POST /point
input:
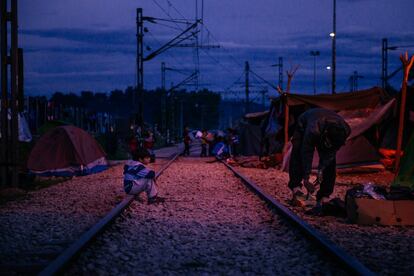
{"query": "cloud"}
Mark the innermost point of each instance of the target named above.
(68, 59)
(90, 36)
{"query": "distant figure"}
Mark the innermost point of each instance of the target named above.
(149, 142)
(232, 141)
(137, 178)
(211, 139)
(204, 142)
(326, 131)
(138, 136)
(132, 144)
(187, 142)
(221, 149)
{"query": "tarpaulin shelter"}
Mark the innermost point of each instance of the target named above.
(405, 176)
(250, 133)
(258, 133)
(363, 110)
(66, 151)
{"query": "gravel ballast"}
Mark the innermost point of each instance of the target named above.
(383, 249)
(38, 226)
(210, 223)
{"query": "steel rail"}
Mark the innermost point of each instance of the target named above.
(349, 262)
(75, 248)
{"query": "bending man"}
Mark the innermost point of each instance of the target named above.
(326, 131)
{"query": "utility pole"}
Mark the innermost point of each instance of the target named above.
(353, 81)
(175, 42)
(9, 139)
(20, 97)
(4, 97)
(140, 65)
(264, 92)
(196, 48)
(246, 71)
(197, 35)
(280, 65)
(202, 110)
(163, 75)
(163, 100)
(181, 117)
(384, 69)
(333, 36)
(314, 54)
(172, 106)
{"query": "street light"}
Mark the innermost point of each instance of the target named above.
(314, 54)
(328, 68)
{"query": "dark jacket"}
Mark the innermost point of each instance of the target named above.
(312, 124)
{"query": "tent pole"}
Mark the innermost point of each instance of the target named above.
(407, 64)
(290, 74)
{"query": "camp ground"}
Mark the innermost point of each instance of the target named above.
(192, 137)
(370, 113)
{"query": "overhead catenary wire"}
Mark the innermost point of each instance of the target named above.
(168, 1)
(180, 21)
(204, 50)
(215, 60)
(264, 80)
(168, 26)
(165, 12)
(168, 53)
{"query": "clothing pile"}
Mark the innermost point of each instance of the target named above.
(371, 191)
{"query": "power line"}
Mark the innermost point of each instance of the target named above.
(176, 9)
(264, 80)
(204, 50)
(168, 52)
(235, 82)
(168, 26)
(230, 55)
(166, 13)
(202, 22)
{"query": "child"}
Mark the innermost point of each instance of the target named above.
(187, 142)
(137, 178)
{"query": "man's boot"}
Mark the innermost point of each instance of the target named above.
(298, 198)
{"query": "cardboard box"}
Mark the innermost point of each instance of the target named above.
(381, 212)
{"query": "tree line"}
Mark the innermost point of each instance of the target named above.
(182, 108)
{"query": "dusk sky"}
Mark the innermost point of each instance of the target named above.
(77, 45)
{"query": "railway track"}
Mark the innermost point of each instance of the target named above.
(68, 257)
(199, 261)
(64, 258)
(350, 263)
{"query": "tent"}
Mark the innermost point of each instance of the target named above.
(365, 111)
(257, 133)
(66, 151)
(250, 133)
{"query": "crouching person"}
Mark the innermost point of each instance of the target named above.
(327, 132)
(137, 178)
